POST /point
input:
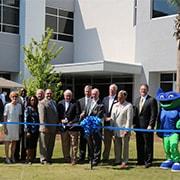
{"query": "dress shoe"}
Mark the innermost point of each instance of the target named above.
(123, 165)
(73, 162)
(44, 162)
(8, 161)
(147, 165)
(94, 163)
(81, 161)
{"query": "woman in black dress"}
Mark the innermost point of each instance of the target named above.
(31, 115)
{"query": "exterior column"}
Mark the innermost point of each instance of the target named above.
(32, 25)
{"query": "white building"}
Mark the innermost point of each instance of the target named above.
(127, 42)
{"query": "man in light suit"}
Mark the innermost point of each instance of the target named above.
(47, 114)
(145, 118)
(82, 103)
(108, 102)
(122, 117)
(68, 115)
(95, 108)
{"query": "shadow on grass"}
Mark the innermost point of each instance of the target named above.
(106, 165)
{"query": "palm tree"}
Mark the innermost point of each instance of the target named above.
(177, 34)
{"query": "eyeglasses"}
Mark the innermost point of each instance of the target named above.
(32, 99)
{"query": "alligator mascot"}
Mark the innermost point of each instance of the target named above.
(169, 119)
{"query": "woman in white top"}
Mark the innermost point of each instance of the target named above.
(122, 117)
(12, 113)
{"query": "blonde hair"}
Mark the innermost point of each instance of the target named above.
(13, 93)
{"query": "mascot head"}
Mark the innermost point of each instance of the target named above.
(168, 100)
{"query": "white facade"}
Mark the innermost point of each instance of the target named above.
(109, 39)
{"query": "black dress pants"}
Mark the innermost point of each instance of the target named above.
(144, 146)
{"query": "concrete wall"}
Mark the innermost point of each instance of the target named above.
(63, 4)
(155, 44)
(9, 52)
(67, 54)
(32, 25)
(104, 30)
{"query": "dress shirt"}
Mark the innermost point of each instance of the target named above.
(87, 99)
(66, 105)
(111, 99)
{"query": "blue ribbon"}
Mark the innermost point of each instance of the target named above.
(99, 127)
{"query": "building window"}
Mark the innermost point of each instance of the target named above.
(9, 16)
(167, 81)
(61, 21)
(162, 8)
(135, 13)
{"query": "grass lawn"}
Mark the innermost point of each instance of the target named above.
(59, 170)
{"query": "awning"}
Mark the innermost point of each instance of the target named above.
(99, 67)
(4, 83)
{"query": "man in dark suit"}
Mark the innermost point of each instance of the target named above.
(68, 115)
(145, 118)
(82, 103)
(95, 108)
(108, 102)
(48, 115)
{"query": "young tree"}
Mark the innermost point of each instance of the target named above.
(38, 58)
(177, 34)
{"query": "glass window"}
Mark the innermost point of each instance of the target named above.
(65, 26)
(11, 2)
(10, 16)
(61, 22)
(65, 13)
(50, 10)
(10, 29)
(51, 21)
(65, 38)
(168, 81)
(166, 77)
(163, 8)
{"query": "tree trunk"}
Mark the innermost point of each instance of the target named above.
(178, 67)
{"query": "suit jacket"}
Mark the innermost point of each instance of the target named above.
(48, 114)
(97, 110)
(107, 113)
(148, 115)
(71, 114)
(81, 104)
(122, 117)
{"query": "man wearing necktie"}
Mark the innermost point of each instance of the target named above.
(145, 117)
(48, 115)
(95, 108)
(82, 103)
